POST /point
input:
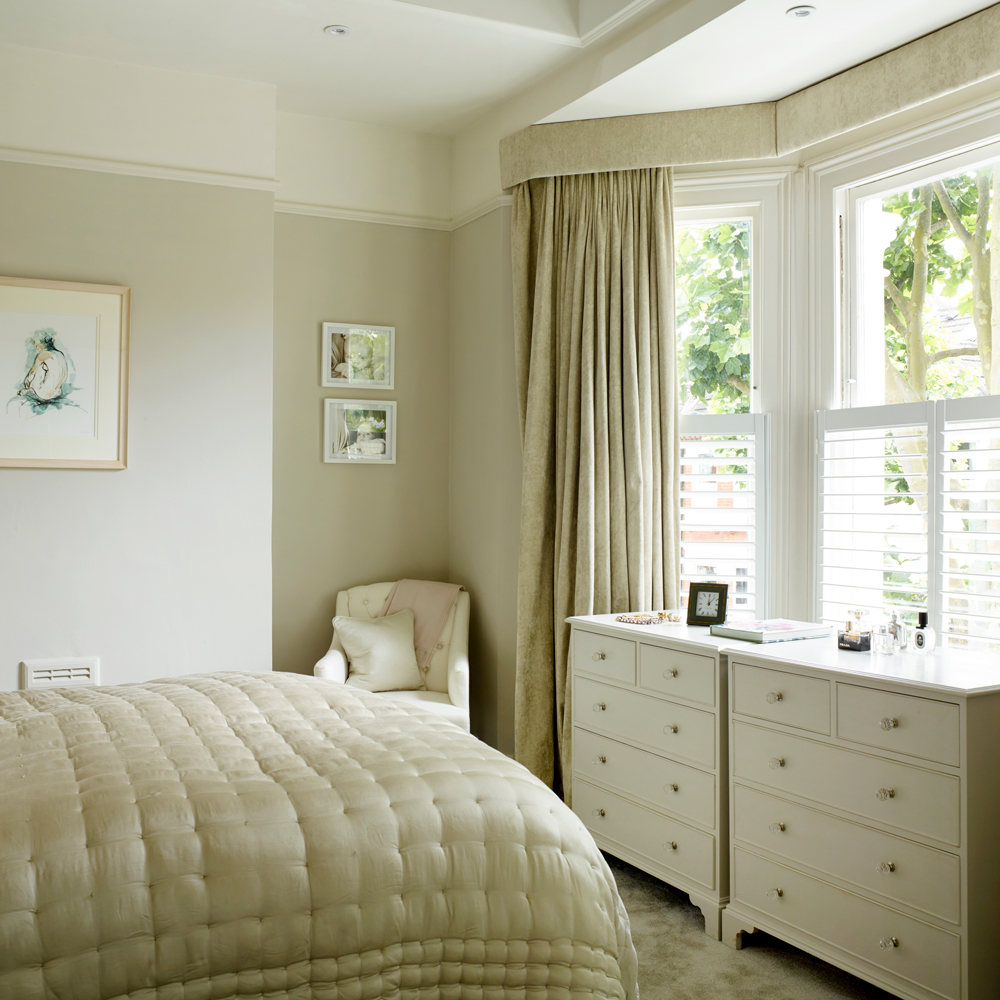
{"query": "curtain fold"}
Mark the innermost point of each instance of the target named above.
(593, 272)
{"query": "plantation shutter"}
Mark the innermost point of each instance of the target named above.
(873, 511)
(723, 482)
(908, 515)
(969, 541)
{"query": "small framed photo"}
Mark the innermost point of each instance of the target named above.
(707, 603)
(359, 430)
(63, 374)
(356, 354)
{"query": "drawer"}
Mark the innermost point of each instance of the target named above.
(923, 802)
(928, 956)
(877, 862)
(605, 655)
(778, 696)
(664, 783)
(640, 718)
(905, 723)
(677, 673)
(668, 843)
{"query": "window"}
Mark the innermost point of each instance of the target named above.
(723, 445)
(713, 314)
(908, 478)
(924, 283)
(909, 515)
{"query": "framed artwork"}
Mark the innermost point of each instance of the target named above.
(359, 430)
(355, 354)
(707, 603)
(63, 374)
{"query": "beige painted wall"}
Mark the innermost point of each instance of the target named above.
(163, 568)
(337, 526)
(486, 465)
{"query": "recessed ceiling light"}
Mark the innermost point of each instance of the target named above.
(800, 11)
(337, 29)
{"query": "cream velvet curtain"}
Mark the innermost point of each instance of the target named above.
(593, 275)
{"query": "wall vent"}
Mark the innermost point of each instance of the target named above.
(75, 671)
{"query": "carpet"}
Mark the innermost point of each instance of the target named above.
(679, 961)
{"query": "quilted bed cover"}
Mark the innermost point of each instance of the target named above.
(273, 835)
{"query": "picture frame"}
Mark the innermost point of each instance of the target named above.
(361, 431)
(64, 353)
(358, 354)
(707, 603)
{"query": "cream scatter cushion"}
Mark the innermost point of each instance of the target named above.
(380, 652)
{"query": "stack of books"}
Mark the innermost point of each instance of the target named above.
(772, 630)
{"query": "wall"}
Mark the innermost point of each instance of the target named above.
(485, 477)
(337, 526)
(163, 568)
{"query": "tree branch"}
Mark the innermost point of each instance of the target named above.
(952, 215)
(893, 318)
(740, 384)
(898, 298)
(953, 352)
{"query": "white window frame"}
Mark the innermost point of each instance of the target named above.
(918, 151)
(766, 198)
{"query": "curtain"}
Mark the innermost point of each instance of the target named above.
(593, 269)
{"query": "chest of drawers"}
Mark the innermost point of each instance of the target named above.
(865, 813)
(650, 752)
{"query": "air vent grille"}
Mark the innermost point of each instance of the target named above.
(79, 671)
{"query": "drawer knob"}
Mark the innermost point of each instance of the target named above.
(600, 759)
(887, 944)
(670, 845)
(599, 706)
(597, 657)
(667, 674)
(777, 828)
(775, 762)
(670, 788)
(885, 793)
(599, 813)
(774, 893)
(884, 868)
(888, 724)
(772, 697)
(670, 729)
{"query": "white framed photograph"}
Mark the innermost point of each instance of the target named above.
(357, 354)
(359, 430)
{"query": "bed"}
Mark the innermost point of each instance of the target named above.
(280, 836)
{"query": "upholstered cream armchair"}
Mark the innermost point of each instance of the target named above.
(447, 677)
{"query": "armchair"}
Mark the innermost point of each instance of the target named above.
(447, 678)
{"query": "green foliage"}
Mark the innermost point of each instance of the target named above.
(713, 315)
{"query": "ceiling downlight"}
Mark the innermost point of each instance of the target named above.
(800, 12)
(337, 30)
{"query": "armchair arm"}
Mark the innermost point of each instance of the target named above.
(333, 666)
(458, 657)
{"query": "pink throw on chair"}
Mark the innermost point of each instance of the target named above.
(430, 603)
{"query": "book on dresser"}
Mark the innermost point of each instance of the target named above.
(772, 630)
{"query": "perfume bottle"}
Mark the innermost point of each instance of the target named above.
(899, 638)
(923, 638)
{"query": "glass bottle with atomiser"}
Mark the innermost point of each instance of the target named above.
(923, 638)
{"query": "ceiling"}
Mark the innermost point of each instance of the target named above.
(753, 52)
(438, 65)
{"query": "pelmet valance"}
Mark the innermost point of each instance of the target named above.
(956, 56)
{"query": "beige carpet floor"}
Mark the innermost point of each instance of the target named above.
(679, 961)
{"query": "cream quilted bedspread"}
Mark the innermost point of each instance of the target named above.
(279, 836)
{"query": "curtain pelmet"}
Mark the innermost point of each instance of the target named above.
(595, 347)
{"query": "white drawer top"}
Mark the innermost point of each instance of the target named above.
(953, 671)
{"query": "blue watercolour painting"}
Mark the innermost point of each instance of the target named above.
(48, 374)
